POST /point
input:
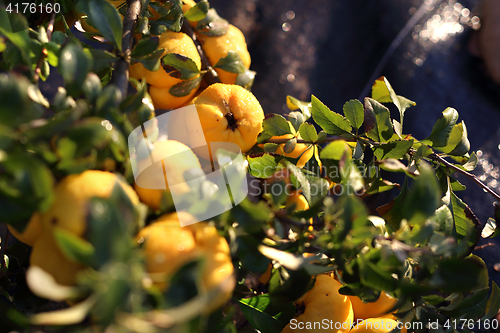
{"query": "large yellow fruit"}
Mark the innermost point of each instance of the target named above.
(376, 325)
(171, 42)
(216, 48)
(227, 113)
(323, 303)
(47, 255)
(301, 149)
(378, 308)
(168, 246)
(176, 158)
(72, 194)
(31, 232)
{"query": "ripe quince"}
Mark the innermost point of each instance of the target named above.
(217, 47)
(168, 246)
(72, 194)
(171, 158)
(324, 302)
(31, 232)
(227, 113)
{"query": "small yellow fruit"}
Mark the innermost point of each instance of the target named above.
(376, 325)
(227, 113)
(47, 255)
(300, 202)
(217, 47)
(168, 246)
(297, 199)
(72, 194)
(323, 302)
(303, 150)
(378, 308)
(176, 158)
(31, 232)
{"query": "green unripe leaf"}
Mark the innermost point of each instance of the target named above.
(179, 66)
(354, 112)
(308, 132)
(331, 122)
(290, 146)
(231, 63)
(197, 12)
(106, 19)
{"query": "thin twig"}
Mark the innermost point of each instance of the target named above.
(211, 76)
(50, 29)
(435, 157)
(121, 73)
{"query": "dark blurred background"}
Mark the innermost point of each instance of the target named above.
(334, 49)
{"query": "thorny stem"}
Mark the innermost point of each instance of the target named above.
(434, 157)
(121, 73)
(211, 76)
(50, 29)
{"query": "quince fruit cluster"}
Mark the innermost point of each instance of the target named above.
(168, 89)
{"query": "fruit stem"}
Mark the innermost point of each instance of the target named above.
(121, 73)
(210, 76)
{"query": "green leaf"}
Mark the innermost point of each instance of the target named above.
(288, 285)
(458, 143)
(296, 118)
(308, 132)
(101, 59)
(471, 163)
(331, 122)
(424, 197)
(262, 165)
(453, 275)
(395, 149)
(74, 248)
(184, 88)
(198, 11)
(354, 112)
(382, 92)
(276, 125)
(180, 66)
(271, 147)
(378, 126)
(466, 223)
(295, 104)
(493, 305)
(442, 128)
(171, 12)
(231, 63)
(74, 64)
(262, 314)
(150, 61)
(374, 277)
(106, 19)
(335, 150)
(52, 53)
(393, 212)
(212, 25)
(296, 172)
(145, 46)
